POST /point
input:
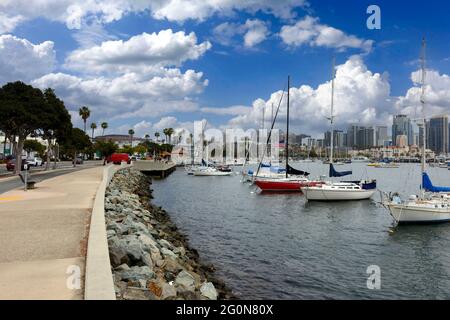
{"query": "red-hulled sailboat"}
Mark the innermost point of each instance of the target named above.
(293, 179)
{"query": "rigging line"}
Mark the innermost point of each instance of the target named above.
(270, 132)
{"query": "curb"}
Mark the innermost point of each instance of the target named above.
(99, 284)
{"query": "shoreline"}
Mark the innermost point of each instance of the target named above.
(151, 259)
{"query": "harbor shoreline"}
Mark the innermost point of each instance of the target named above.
(151, 258)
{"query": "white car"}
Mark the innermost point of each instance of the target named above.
(35, 161)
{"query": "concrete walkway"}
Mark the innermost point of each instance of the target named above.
(43, 237)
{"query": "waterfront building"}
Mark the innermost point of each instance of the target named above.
(402, 126)
(120, 140)
(381, 134)
(437, 139)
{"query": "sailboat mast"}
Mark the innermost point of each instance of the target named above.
(332, 112)
(422, 101)
(287, 127)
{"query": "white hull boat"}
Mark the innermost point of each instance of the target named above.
(426, 211)
(204, 172)
(340, 191)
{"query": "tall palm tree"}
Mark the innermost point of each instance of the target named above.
(147, 136)
(131, 133)
(157, 136)
(104, 126)
(165, 131)
(93, 127)
(170, 132)
(84, 114)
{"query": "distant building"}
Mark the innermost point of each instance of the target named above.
(120, 139)
(381, 135)
(352, 135)
(402, 126)
(438, 134)
(365, 137)
(402, 141)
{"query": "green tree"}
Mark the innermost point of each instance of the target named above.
(106, 148)
(126, 149)
(84, 113)
(131, 133)
(33, 145)
(140, 149)
(76, 142)
(104, 126)
(19, 116)
(93, 127)
(57, 123)
(157, 134)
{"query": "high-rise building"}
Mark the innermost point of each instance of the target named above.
(365, 137)
(352, 135)
(338, 139)
(402, 126)
(381, 135)
(437, 131)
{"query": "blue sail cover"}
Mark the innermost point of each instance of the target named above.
(334, 173)
(264, 165)
(427, 185)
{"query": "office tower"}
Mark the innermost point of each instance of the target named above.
(437, 139)
(402, 126)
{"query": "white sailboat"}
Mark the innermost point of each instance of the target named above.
(433, 203)
(338, 191)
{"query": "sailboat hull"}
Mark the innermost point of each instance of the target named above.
(284, 185)
(320, 194)
(418, 215)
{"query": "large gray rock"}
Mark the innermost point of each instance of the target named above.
(117, 252)
(207, 290)
(132, 293)
(166, 244)
(168, 253)
(168, 291)
(186, 280)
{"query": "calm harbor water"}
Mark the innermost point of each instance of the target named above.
(272, 246)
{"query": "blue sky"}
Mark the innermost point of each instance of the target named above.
(232, 80)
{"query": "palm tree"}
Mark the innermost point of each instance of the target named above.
(170, 131)
(84, 114)
(165, 131)
(157, 136)
(93, 127)
(104, 126)
(147, 136)
(131, 133)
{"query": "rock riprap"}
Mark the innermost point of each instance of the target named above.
(150, 258)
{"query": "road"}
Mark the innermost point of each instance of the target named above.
(10, 183)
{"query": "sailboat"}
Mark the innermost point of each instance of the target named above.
(433, 203)
(288, 179)
(338, 191)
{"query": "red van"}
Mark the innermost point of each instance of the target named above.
(118, 158)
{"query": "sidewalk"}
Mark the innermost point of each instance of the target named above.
(43, 232)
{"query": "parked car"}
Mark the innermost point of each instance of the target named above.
(11, 164)
(36, 161)
(118, 158)
(79, 160)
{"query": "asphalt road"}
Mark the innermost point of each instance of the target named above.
(7, 184)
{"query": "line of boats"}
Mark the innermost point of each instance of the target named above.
(432, 205)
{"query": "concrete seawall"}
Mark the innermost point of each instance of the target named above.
(98, 280)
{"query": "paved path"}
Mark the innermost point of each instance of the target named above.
(43, 234)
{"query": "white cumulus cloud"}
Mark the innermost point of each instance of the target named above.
(75, 13)
(252, 32)
(309, 31)
(22, 60)
(360, 96)
(164, 48)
